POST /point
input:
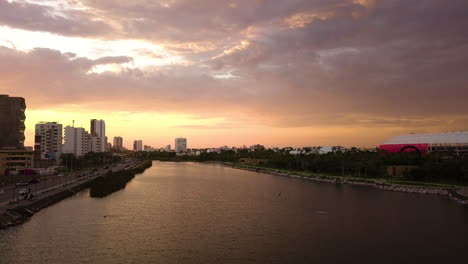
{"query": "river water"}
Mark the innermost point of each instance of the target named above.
(199, 213)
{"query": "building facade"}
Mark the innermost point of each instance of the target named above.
(118, 142)
(76, 141)
(456, 142)
(12, 118)
(95, 143)
(98, 129)
(138, 145)
(180, 145)
(16, 162)
(48, 140)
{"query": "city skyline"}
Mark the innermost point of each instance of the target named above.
(308, 73)
(217, 142)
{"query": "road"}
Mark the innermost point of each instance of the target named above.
(11, 193)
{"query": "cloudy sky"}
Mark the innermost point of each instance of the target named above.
(227, 72)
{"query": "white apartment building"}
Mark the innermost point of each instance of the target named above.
(138, 145)
(180, 145)
(95, 144)
(76, 141)
(98, 129)
(48, 139)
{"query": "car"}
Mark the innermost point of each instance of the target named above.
(36, 180)
(23, 191)
(22, 184)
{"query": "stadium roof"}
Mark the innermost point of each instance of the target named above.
(435, 138)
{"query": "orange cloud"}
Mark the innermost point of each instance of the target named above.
(300, 20)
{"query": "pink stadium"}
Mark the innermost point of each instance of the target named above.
(424, 143)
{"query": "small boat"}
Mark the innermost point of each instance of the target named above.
(321, 212)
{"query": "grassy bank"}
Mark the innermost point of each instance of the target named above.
(388, 181)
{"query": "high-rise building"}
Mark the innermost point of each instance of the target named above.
(48, 140)
(98, 129)
(76, 141)
(180, 145)
(94, 143)
(118, 142)
(12, 118)
(138, 145)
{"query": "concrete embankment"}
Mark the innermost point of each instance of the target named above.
(449, 193)
(22, 212)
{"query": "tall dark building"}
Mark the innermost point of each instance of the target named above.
(12, 118)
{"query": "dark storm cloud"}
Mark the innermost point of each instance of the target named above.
(70, 81)
(296, 63)
(195, 20)
(397, 58)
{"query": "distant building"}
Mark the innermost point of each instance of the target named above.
(16, 162)
(148, 148)
(138, 145)
(118, 142)
(76, 141)
(168, 148)
(399, 171)
(95, 143)
(12, 118)
(48, 140)
(180, 145)
(98, 129)
(456, 142)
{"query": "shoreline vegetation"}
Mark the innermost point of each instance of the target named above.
(445, 190)
(445, 168)
(101, 186)
(442, 172)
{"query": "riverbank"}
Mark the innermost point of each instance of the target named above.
(447, 191)
(22, 211)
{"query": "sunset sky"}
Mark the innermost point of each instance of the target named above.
(273, 72)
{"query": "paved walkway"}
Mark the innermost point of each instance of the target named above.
(5, 205)
(46, 192)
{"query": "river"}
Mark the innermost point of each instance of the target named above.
(205, 213)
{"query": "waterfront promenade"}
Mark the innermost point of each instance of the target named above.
(10, 197)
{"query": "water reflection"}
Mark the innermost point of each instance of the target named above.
(198, 213)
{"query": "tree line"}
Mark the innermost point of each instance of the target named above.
(434, 166)
(89, 160)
